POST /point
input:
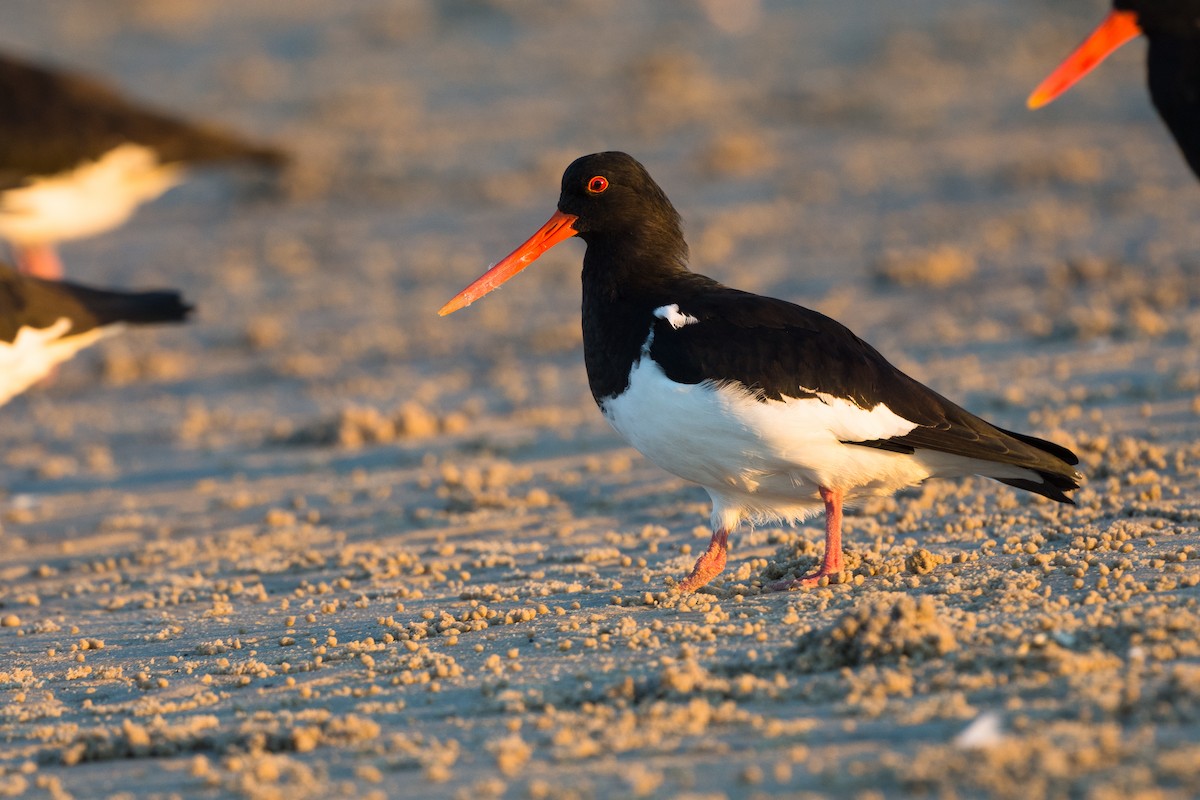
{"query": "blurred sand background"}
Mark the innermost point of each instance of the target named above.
(321, 543)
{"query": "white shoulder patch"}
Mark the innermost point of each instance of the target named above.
(676, 318)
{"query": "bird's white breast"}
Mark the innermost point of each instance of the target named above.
(768, 457)
(36, 351)
(92, 198)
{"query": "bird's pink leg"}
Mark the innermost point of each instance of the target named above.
(39, 260)
(709, 565)
(832, 563)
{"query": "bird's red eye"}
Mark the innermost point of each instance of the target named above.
(598, 184)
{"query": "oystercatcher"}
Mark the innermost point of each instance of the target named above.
(77, 159)
(43, 323)
(1173, 63)
(775, 409)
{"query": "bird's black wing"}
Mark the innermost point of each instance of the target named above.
(53, 120)
(777, 349)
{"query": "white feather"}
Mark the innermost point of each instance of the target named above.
(676, 318)
(766, 459)
(36, 351)
(94, 197)
(986, 730)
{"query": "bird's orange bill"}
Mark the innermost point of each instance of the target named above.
(558, 228)
(1117, 29)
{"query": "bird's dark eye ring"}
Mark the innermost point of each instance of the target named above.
(598, 184)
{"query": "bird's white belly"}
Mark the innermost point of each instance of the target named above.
(36, 351)
(764, 458)
(94, 197)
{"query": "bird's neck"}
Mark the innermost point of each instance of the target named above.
(635, 265)
(624, 279)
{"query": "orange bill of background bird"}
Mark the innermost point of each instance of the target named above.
(1172, 28)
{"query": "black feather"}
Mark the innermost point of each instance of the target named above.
(32, 302)
(52, 120)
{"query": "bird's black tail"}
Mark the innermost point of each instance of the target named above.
(1056, 479)
(139, 308)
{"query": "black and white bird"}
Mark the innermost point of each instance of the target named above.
(43, 323)
(1172, 63)
(77, 158)
(775, 409)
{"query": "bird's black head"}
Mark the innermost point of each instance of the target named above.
(612, 194)
(1180, 18)
(610, 201)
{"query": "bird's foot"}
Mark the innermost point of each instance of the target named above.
(830, 571)
(810, 581)
(708, 566)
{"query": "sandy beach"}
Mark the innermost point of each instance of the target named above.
(322, 543)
